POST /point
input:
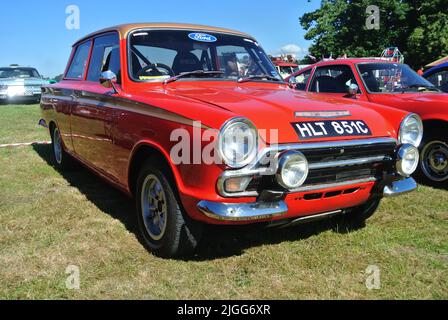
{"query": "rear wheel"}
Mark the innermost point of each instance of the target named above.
(165, 228)
(61, 158)
(355, 218)
(434, 161)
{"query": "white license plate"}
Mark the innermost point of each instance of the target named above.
(331, 128)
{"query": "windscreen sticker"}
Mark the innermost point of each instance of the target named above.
(202, 37)
(152, 77)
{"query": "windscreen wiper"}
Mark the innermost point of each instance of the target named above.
(418, 86)
(192, 73)
(256, 77)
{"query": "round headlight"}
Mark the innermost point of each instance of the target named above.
(407, 160)
(411, 130)
(238, 142)
(293, 170)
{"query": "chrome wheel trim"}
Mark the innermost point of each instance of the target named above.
(154, 207)
(57, 146)
(434, 161)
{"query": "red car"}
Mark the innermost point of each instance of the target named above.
(197, 125)
(394, 85)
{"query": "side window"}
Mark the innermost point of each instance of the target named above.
(333, 79)
(301, 80)
(79, 62)
(439, 79)
(105, 56)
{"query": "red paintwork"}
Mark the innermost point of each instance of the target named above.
(106, 138)
(429, 106)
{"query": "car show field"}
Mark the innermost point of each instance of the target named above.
(51, 220)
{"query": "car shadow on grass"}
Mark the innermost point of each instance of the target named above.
(217, 242)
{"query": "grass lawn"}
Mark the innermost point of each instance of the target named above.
(19, 123)
(49, 220)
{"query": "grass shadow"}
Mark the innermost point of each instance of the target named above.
(218, 241)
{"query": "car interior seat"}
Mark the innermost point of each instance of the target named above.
(185, 62)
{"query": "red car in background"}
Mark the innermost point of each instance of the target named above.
(391, 84)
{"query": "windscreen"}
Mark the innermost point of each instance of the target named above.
(156, 55)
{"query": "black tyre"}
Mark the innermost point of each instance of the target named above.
(165, 228)
(61, 158)
(433, 169)
(355, 218)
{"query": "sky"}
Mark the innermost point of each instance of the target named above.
(34, 33)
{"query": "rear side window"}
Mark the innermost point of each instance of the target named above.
(105, 57)
(333, 79)
(79, 62)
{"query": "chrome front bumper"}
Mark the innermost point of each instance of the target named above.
(266, 210)
(400, 187)
(242, 211)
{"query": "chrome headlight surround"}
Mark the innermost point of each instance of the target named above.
(289, 162)
(238, 137)
(408, 158)
(411, 130)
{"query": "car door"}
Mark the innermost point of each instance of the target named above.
(93, 114)
(334, 80)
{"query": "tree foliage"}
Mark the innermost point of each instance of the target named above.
(419, 28)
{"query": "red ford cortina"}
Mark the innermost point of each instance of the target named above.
(394, 85)
(197, 125)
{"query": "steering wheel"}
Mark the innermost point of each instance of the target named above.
(155, 67)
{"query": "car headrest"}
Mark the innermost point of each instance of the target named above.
(185, 62)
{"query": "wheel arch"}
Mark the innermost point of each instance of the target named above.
(147, 150)
(431, 125)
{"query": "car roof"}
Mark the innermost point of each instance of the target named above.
(343, 61)
(353, 60)
(285, 64)
(436, 68)
(124, 29)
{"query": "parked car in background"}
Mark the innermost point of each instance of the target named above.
(438, 76)
(18, 84)
(285, 68)
(135, 98)
(391, 84)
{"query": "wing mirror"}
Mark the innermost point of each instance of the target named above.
(352, 91)
(108, 79)
(292, 82)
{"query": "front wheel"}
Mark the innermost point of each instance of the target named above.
(166, 229)
(355, 218)
(434, 161)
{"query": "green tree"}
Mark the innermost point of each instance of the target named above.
(419, 28)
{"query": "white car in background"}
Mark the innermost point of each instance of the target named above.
(20, 84)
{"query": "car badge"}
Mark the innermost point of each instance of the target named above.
(322, 114)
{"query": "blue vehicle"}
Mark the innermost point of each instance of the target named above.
(438, 76)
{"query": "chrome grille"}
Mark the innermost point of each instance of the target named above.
(331, 164)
